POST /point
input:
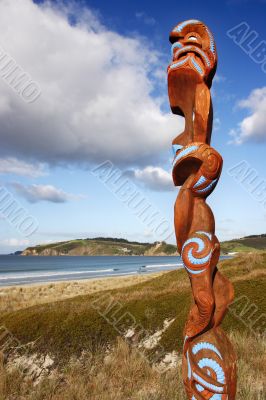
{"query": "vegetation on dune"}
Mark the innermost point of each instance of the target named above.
(17, 297)
(123, 374)
(85, 335)
(69, 326)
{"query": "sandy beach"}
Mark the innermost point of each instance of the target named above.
(18, 297)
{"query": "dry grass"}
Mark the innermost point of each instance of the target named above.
(251, 260)
(251, 352)
(124, 374)
(18, 297)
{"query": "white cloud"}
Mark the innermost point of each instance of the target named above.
(154, 178)
(35, 193)
(219, 78)
(141, 15)
(12, 165)
(13, 242)
(97, 90)
(216, 124)
(252, 128)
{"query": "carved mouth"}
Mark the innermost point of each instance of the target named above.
(193, 55)
(193, 50)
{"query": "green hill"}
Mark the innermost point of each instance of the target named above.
(247, 243)
(101, 247)
(121, 247)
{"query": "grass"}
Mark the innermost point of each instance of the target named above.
(123, 374)
(69, 326)
(72, 328)
(13, 298)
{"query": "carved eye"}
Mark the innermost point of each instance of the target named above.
(192, 38)
(176, 46)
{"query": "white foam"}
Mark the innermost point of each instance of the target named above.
(47, 274)
(163, 265)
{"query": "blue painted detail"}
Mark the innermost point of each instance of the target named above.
(207, 188)
(178, 64)
(180, 27)
(176, 147)
(209, 235)
(192, 48)
(206, 384)
(208, 362)
(194, 260)
(201, 245)
(205, 346)
(212, 44)
(199, 242)
(185, 23)
(200, 181)
(196, 65)
(186, 337)
(199, 387)
(198, 261)
(185, 152)
(194, 272)
(175, 46)
(189, 371)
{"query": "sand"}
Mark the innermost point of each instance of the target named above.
(18, 297)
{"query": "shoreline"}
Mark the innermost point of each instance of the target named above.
(85, 280)
(15, 297)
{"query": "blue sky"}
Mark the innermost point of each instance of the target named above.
(100, 68)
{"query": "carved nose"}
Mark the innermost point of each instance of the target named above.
(193, 40)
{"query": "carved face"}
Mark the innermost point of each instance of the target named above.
(193, 47)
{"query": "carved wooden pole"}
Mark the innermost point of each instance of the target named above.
(209, 361)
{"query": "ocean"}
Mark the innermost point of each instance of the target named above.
(20, 270)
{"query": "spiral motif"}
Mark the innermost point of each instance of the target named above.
(209, 367)
(209, 172)
(212, 162)
(196, 252)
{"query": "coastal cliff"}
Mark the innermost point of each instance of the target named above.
(101, 247)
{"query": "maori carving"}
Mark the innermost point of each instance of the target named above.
(209, 361)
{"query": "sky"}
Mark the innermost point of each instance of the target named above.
(90, 131)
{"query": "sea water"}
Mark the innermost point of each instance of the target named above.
(19, 270)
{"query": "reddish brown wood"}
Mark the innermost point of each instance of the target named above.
(209, 360)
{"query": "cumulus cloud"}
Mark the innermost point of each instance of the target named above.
(97, 97)
(35, 193)
(12, 165)
(252, 127)
(154, 178)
